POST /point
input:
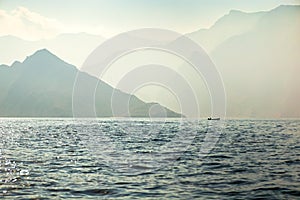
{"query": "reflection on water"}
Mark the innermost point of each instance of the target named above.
(59, 158)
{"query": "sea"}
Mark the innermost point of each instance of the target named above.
(149, 159)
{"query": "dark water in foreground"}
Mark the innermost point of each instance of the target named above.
(53, 159)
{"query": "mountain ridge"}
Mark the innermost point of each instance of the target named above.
(61, 45)
(42, 86)
(259, 66)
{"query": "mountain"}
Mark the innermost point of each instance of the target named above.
(71, 47)
(42, 86)
(257, 55)
(234, 23)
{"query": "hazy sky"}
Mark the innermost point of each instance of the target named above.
(32, 19)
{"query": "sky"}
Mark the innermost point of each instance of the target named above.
(33, 20)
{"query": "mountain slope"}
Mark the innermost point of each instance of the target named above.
(42, 86)
(232, 24)
(257, 55)
(260, 67)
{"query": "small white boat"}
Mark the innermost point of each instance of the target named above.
(218, 118)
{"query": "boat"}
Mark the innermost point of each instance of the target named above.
(217, 118)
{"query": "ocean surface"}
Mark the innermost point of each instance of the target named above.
(149, 159)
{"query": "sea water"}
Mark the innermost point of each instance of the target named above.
(149, 159)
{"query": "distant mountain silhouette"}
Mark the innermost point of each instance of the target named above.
(42, 86)
(234, 23)
(13, 48)
(257, 55)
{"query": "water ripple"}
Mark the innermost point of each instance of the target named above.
(47, 159)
